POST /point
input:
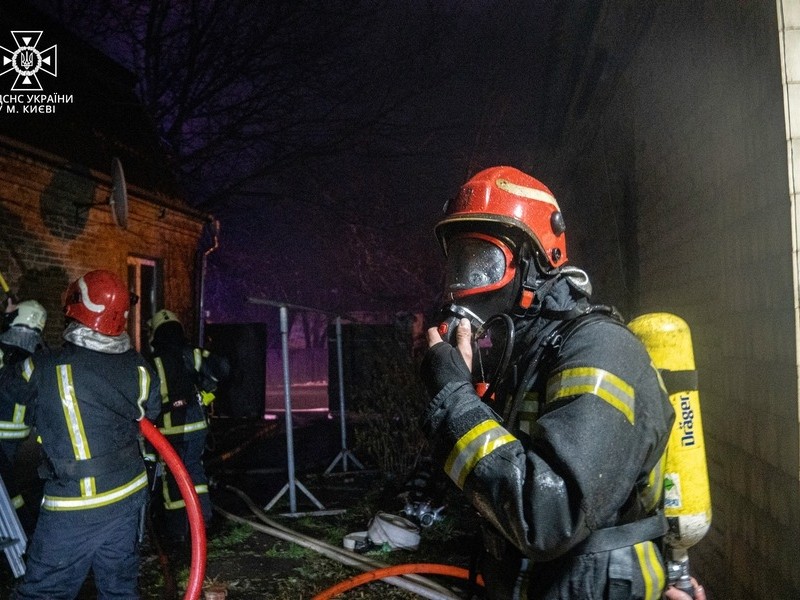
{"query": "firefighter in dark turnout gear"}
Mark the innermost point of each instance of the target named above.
(561, 455)
(189, 378)
(22, 338)
(85, 400)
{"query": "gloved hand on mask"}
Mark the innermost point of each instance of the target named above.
(444, 363)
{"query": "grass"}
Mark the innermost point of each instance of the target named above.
(232, 538)
(257, 566)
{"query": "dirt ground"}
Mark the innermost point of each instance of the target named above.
(247, 463)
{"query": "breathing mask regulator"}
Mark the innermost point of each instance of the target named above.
(449, 317)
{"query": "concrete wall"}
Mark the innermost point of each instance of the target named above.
(46, 241)
(675, 186)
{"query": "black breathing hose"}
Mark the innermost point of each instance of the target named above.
(505, 358)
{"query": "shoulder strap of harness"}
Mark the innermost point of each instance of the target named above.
(547, 344)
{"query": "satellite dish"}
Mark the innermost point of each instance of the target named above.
(119, 195)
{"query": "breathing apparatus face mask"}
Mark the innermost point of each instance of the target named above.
(476, 264)
(478, 283)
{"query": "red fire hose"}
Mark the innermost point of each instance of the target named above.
(392, 571)
(197, 526)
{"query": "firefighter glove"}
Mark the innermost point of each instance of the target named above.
(441, 365)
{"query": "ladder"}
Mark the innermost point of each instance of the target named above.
(13, 540)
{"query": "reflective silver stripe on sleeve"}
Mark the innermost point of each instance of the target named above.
(589, 380)
(477, 443)
(19, 413)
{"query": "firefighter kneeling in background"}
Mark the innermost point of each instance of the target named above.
(189, 377)
(561, 455)
(22, 338)
(85, 400)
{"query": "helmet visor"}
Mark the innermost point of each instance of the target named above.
(476, 264)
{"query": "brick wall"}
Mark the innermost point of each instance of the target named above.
(56, 224)
(679, 202)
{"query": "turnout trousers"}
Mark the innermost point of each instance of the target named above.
(68, 544)
(190, 449)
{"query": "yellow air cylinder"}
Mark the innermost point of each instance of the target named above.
(687, 499)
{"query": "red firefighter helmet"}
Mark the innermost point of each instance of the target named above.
(100, 300)
(506, 202)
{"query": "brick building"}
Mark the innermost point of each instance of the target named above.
(56, 218)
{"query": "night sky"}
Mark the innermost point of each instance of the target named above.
(359, 124)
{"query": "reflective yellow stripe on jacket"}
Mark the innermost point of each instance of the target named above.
(529, 411)
(15, 429)
(163, 378)
(144, 389)
(170, 504)
(652, 492)
(177, 429)
(72, 416)
(166, 416)
(477, 443)
(589, 380)
(27, 369)
(89, 497)
(96, 500)
(199, 355)
(652, 570)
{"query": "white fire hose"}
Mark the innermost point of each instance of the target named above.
(397, 532)
(424, 587)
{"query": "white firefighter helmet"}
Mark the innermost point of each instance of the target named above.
(25, 331)
(30, 314)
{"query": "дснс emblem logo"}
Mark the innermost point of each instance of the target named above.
(27, 61)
